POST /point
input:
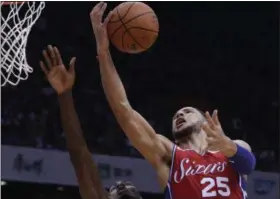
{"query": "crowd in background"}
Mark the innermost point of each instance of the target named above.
(200, 59)
(32, 119)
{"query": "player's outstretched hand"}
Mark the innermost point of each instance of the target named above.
(215, 135)
(99, 27)
(58, 76)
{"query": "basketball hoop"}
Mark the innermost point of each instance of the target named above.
(16, 25)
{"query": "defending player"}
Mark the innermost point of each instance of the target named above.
(90, 184)
(204, 162)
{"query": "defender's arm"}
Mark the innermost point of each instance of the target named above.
(243, 161)
(243, 144)
(136, 128)
(86, 170)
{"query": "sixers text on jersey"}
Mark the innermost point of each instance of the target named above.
(208, 175)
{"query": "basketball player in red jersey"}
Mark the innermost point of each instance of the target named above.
(203, 162)
(62, 81)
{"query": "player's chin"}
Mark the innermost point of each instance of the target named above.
(188, 130)
(182, 132)
(181, 127)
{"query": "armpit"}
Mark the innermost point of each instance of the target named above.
(168, 146)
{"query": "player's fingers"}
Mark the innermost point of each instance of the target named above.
(58, 56)
(47, 59)
(215, 117)
(106, 21)
(72, 65)
(102, 10)
(52, 54)
(96, 8)
(43, 67)
(209, 119)
(97, 11)
(100, 5)
(208, 130)
(95, 14)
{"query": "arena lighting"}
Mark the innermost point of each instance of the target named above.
(60, 188)
(3, 183)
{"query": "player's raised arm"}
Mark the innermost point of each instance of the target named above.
(62, 81)
(136, 128)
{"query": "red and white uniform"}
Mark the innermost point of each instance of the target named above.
(207, 176)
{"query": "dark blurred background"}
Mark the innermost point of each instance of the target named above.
(208, 55)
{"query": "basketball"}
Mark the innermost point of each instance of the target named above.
(133, 27)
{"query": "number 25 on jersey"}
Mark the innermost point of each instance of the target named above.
(215, 186)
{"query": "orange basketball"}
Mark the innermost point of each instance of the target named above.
(133, 27)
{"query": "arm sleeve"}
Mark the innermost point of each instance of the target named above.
(243, 161)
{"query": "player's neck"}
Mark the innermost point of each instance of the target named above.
(197, 143)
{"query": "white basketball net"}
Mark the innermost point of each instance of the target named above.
(16, 25)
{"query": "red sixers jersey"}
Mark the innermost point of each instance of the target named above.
(207, 176)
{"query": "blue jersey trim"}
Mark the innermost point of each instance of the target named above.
(172, 162)
(167, 191)
(242, 185)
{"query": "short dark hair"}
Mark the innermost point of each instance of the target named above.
(126, 190)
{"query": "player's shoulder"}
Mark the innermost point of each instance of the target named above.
(168, 144)
(243, 144)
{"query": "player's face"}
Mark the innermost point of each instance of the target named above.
(186, 117)
(124, 190)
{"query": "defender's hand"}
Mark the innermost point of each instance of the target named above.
(99, 28)
(58, 76)
(216, 137)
